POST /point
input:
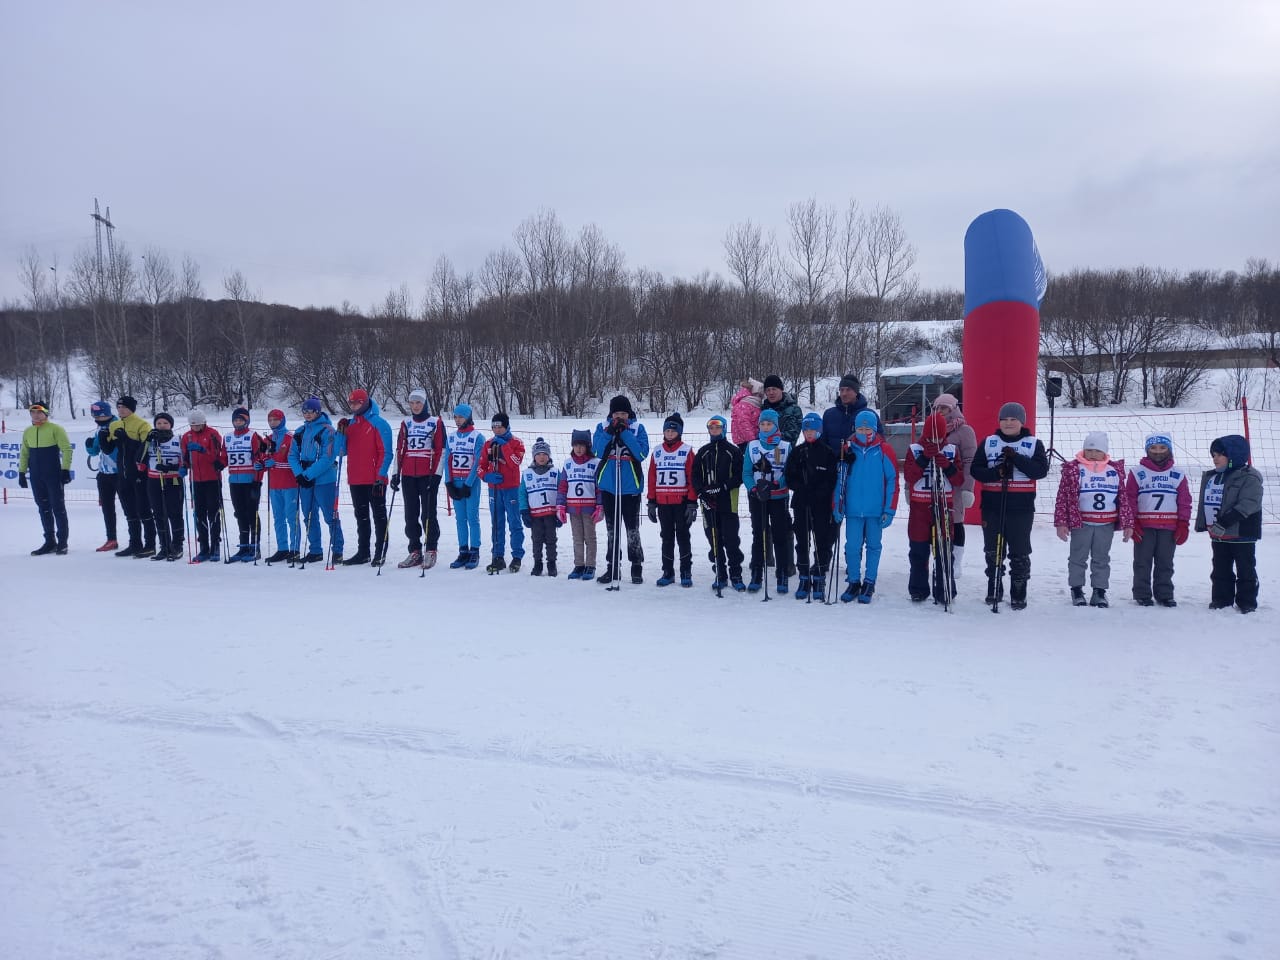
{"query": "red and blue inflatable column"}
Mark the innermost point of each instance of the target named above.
(1004, 282)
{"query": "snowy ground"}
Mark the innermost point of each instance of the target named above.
(230, 762)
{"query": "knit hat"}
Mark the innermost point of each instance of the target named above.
(946, 400)
(812, 421)
(674, 422)
(39, 407)
(1096, 440)
(773, 380)
(580, 437)
(866, 418)
(312, 405)
(724, 424)
(239, 413)
(167, 417)
(127, 402)
(357, 399)
(768, 415)
(1013, 409)
(419, 394)
(620, 403)
(541, 446)
(1155, 438)
(850, 381)
(100, 409)
(197, 418)
(935, 428)
(276, 414)
(463, 410)
(501, 418)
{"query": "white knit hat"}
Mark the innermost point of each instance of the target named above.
(1096, 440)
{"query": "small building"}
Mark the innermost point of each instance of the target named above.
(906, 391)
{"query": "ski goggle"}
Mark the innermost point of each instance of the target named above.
(39, 408)
(715, 424)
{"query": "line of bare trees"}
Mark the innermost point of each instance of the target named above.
(555, 321)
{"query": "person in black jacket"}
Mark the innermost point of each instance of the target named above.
(1007, 465)
(717, 475)
(811, 474)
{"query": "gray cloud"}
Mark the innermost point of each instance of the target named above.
(332, 151)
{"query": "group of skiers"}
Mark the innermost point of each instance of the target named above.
(809, 479)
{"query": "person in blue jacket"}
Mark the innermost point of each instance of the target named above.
(100, 444)
(621, 443)
(837, 421)
(868, 500)
(313, 461)
(462, 483)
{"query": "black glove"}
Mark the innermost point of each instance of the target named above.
(456, 490)
(395, 482)
(66, 477)
(268, 444)
(690, 514)
(379, 491)
(1009, 454)
(653, 511)
(342, 426)
(219, 465)
(708, 502)
(849, 454)
(153, 434)
(526, 517)
(762, 489)
(616, 427)
(306, 483)
(22, 480)
(119, 434)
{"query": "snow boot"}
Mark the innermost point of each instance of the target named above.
(473, 558)
(607, 576)
(1077, 597)
(414, 559)
(819, 591)
(666, 580)
(637, 573)
(160, 555)
(47, 547)
(551, 568)
(306, 558)
(802, 588)
(588, 574)
(463, 556)
(575, 573)
(496, 565)
(1018, 594)
(1099, 598)
(1170, 602)
(278, 557)
(868, 588)
(515, 565)
(737, 584)
(110, 545)
(536, 569)
(851, 592)
(129, 550)
(145, 553)
(358, 559)
(686, 580)
(783, 586)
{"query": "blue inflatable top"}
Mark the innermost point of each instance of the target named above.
(1001, 262)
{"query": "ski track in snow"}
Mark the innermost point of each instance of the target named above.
(737, 788)
(655, 765)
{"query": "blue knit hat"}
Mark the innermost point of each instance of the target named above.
(100, 408)
(768, 415)
(866, 418)
(462, 410)
(812, 421)
(312, 405)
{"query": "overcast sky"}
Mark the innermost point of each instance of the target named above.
(333, 150)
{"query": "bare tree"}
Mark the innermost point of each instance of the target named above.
(753, 261)
(811, 264)
(886, 275)
(157, 289)
(35, 371)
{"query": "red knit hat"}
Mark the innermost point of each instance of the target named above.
(935, 428)
(358, 398)
(275, 415)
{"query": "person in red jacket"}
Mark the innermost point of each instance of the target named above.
(205, 457)
(673, 501)
(282, 489)
(419, 458)
(500, 468)
(365, 441)
(934, 472)
(1159, 497)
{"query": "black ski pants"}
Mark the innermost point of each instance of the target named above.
(136, 504)
(776, 514)
(365, 499)
(723, 530)
(107, 501)
(630, 506)
(245, 498)
(1017, 542)
(420, 495)
(206, 499)
(675, 532)
(46, 487)
(542, 536)
(166, 498)
(813, 523)
(1235, 574)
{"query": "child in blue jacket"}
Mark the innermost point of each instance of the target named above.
(868, 499)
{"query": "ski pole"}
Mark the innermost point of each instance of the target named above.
(997, 572)
(333, 517)
(764, 556)
(386, 533)
(190, 512)
(270, 528)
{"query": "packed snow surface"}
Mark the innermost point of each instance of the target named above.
(223, 761)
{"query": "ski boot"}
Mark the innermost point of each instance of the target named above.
(802, 588)
(851, 592)
(496, 565)
(515, 565)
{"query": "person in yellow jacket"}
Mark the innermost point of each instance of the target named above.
(129, 436)
(46, 452)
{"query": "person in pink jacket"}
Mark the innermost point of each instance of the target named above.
(744, 411)
(1159, 495)
(1091, 505)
